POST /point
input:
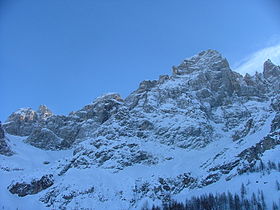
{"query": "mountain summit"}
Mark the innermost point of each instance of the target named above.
(203, 129)
(206, 60)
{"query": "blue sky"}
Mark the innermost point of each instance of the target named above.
(65, 53)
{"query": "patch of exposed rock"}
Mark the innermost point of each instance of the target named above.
(4, 147)
(36, 185)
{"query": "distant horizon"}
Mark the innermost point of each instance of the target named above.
(65, 54)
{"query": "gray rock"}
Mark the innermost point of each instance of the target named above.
(23, 121)
(270, 70)
(275, 103)
(275, 125)
(44, 112)
(101, 109)
(271, 73)
(206, 60)
(163, 78)
(4, 147)
(244, 132)
(198, 88)
(36, 185)
(2, 133)
(210, 179)
(45, 139)
(255, 152)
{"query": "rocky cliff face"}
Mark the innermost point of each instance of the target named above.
(202, 90)
(23, 121)
(203, 109)
(4, 147)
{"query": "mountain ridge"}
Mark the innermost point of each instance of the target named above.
(223, 121)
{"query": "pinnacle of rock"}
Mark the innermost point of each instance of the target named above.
(205, 60)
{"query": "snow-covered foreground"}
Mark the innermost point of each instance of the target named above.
(100, 188)
(27, 162)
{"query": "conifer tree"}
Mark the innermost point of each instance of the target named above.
(243, 191)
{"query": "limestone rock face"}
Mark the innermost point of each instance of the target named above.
(23, 121)
(101, 109)
(206, 60)
(270, 70)
(271, 73)
(45, 139)
(48, 131)
(202, 92)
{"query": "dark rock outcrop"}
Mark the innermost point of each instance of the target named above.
(255, 152)
(4, 147)
(2, 133)
(36, 185)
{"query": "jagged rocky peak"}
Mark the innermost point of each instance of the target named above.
(109, 96)
(44, 112)
(270, 70)
(23, 114)
(100, 109)
(22, 122)
(30, 115)
(105, 106)
(205, 60)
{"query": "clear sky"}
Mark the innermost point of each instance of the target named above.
(65, 53)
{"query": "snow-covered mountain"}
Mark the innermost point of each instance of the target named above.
(203, 129)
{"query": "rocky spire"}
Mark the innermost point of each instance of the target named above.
(270, 70)
(44, 112)
(206, 60)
